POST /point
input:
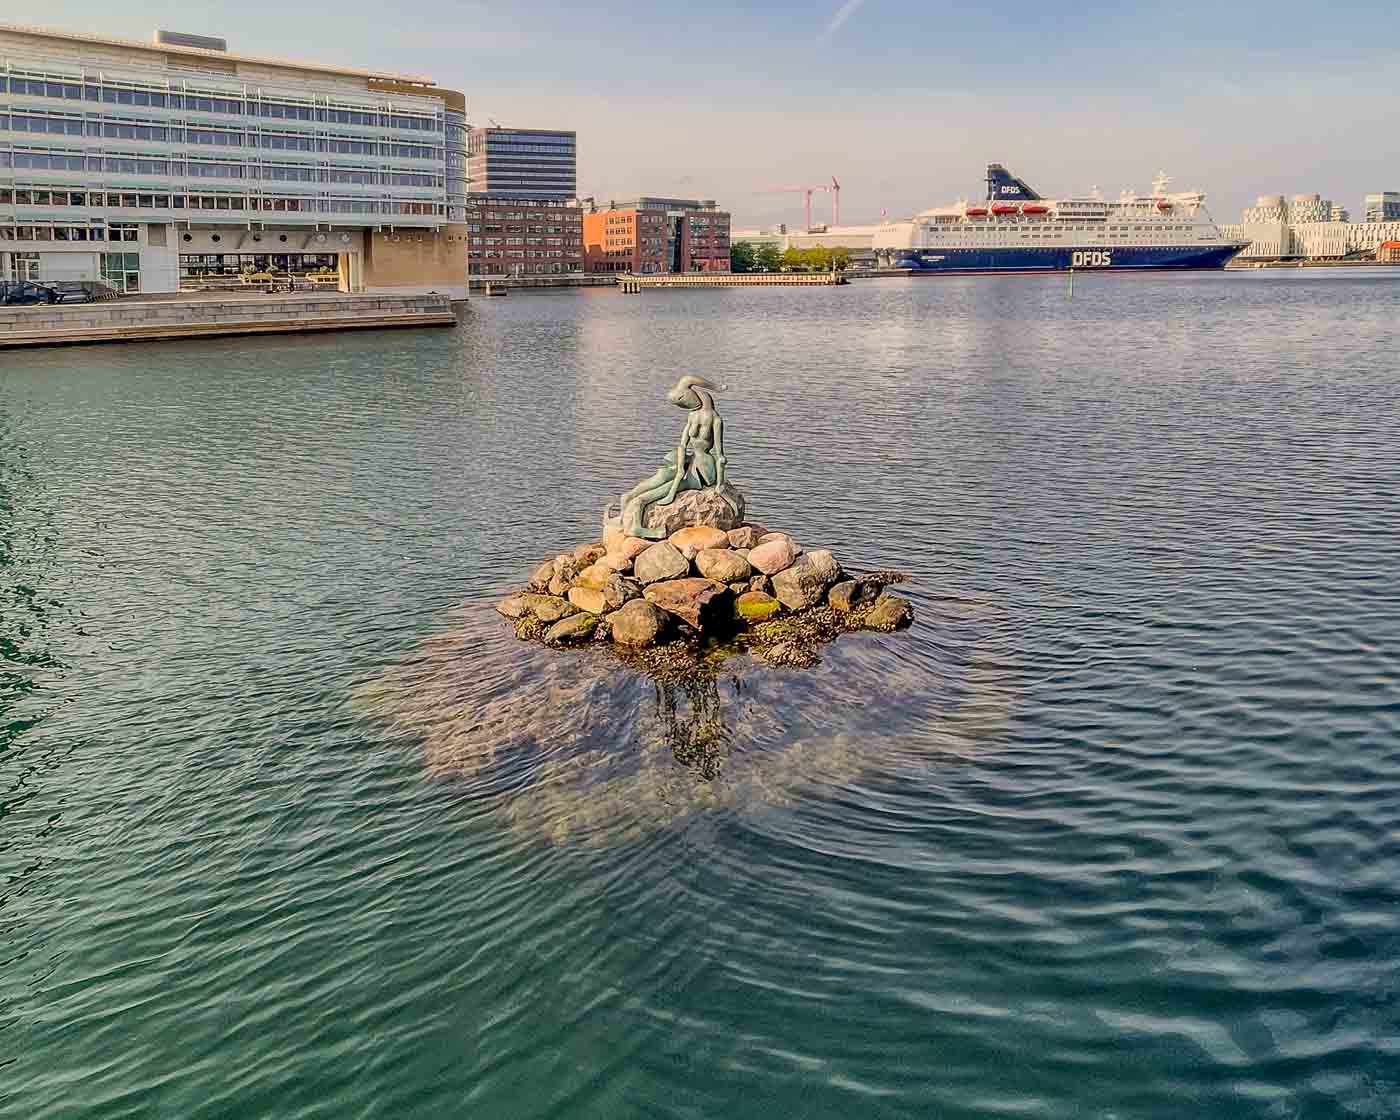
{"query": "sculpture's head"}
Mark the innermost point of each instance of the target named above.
(685, 396)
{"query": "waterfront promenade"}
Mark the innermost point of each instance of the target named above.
(171, 317)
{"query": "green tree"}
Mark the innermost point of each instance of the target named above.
(794, 260)
(840, 259)
(741, 257)
(766, 258)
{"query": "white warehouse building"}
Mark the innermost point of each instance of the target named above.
(149, 164)
(1307, 226)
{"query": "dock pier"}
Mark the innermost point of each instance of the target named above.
(632, 284)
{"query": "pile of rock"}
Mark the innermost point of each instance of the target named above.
(701, 581)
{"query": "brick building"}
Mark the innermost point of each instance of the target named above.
(523, 236)
(651, 235)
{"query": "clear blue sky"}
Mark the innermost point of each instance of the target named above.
(904, 101)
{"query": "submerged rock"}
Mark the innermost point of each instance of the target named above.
(722, 565)
(852, 594)
(702, 603)
(659, 562)
(890, 612)
(721, 507)
(575, 628)
(513, 606)
(637, 624)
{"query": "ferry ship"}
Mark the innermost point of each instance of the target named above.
(1017, 231)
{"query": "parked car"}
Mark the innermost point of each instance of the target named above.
(72, 291)
(20, 293)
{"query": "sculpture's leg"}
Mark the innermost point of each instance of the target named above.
(634, 511)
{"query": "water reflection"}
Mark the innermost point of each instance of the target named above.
(585, 747)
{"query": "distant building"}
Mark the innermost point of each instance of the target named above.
(1309, 227)
(1383, 207)
(523, 163)
(651, 235)
(149, 164)
(1389, 252)
(777, 237)
(523, 237)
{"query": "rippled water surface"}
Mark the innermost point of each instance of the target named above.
(291, 826)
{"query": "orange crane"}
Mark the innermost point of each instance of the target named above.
(833, 187)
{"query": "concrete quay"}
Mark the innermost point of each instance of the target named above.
(148, 320)
(632, 284)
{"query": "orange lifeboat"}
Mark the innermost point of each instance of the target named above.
(1005, 208)
(976, 211)
(1034, 208)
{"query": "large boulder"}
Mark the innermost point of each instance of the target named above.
(624, 552)
(852, 594)
(773, 555)
(599, 589)
(745, 536)
(565, 568)
(702, 603)
(575, 628)
(722, 565)
(697, 507)
(755, 606)
(890, 612)
(804, 584)
(760, 582)
(637, 624)
(540, 577)
(662, 560)
(548, 608)
(587, 554)
(513, 606)
(697, 538)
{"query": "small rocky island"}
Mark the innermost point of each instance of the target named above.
(679, 567)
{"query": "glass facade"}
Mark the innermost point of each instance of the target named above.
(146, 134)
(523, 163)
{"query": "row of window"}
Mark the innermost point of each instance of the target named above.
(531, 254)
(521, 215)
(108, 129)
(21, 196)
(69, 233)
(572, 228)
(215, 103)
(575, 242)
(197, 169)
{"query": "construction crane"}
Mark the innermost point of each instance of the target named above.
(833, 187)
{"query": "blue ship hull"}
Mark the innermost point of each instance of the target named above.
(1117, 258)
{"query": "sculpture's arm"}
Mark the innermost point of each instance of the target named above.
(680, 472)
(719, 451)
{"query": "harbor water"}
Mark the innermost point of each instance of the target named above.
(291, 826)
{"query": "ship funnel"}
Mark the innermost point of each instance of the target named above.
(1002, 185)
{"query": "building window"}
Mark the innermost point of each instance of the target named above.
(26, 266)
(122, 271)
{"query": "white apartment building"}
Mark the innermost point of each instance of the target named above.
(145, 164)
(1307, 226)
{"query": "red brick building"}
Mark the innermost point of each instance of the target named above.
(1388, 252)
(523, 237)
(650, 235)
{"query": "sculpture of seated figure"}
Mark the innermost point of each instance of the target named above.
(697, 463)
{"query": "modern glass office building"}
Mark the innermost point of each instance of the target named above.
(1383, 207)
(149, 164)
(523, 163)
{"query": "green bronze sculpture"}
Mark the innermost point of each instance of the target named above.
(697, 463)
